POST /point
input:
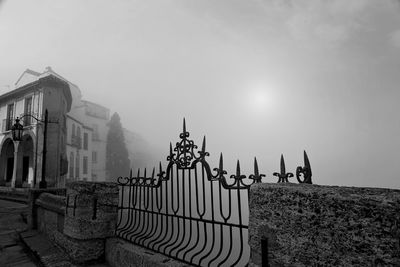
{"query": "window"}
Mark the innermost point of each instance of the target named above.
(28, 111)
(71, 165)
(85, 141)
(94, 156)
(77, 166)
(95, 135)
(85, 165)
(10, 116)
(73, 134)
(78, 137)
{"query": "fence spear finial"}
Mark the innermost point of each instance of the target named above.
(256, 172)
(305, 171)
(152, 174)
(221, 162)
(145, 171)
(203, 146)
(283, 168)
(306, 160)
(238, 168)
(256, 177)
(170, 149)
(138, 172)
(184, 125)
(160, 166)
(130, 173)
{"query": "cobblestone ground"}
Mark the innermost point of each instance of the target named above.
(12, 251)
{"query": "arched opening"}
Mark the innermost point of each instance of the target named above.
(6, 162)
(26, 161)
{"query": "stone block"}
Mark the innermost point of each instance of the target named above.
(90, 217)
(84, 229)
(91, 210)
(81, 251)
(119, 252)
(311, 225)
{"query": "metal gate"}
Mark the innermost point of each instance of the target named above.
(188, 212)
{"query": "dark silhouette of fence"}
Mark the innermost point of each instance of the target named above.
(188, 212)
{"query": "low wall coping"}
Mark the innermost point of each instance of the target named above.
(312, 225)
(51, 202)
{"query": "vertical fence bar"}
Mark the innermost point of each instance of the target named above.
(264, 252)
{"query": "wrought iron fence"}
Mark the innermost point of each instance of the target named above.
(189, 212)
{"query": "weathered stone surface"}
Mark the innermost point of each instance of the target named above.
(80, 251)
(122, 253)
(82, 187)
(88, 229)
(34, 194)
(51, 202)
(92, 210)
(90, 217)
(49, 222)
(311, 225)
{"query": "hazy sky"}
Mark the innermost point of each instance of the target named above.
(257, 77)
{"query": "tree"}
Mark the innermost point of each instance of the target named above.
(117, 161)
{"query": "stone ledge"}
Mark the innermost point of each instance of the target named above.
(83, 229)
(309, 225)
(44, 250)
(48, 254)
(81, 251)
(84, 187)
(14, 194)
(122, 253)
(51, 202)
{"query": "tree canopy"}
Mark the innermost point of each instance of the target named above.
(117, 159)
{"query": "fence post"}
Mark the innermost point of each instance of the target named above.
(264, 252)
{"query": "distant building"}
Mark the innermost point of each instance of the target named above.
(97, 117)
(78, 138)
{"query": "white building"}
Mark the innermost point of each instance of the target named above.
(83, 124)
(21, 161)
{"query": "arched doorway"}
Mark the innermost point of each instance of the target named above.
(6, 162)
(26, 161)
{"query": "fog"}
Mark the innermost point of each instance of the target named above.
(258, 78)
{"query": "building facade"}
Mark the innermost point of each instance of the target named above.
(76, 141)
(21, 161)
(97, 117)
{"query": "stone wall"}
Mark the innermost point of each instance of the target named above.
(14, 194)
(122, 253)
(311, 225)
(90, 218)
(33, 195)
(79, 220)
(50, 214)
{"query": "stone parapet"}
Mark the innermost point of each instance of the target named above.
(311, 225)
(33, 195)
(50, 214)
(122, 253)
(14, 194)
(52, 202)
(90, 217)
(81, 251)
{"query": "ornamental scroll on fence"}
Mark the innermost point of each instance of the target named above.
(189, 212)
